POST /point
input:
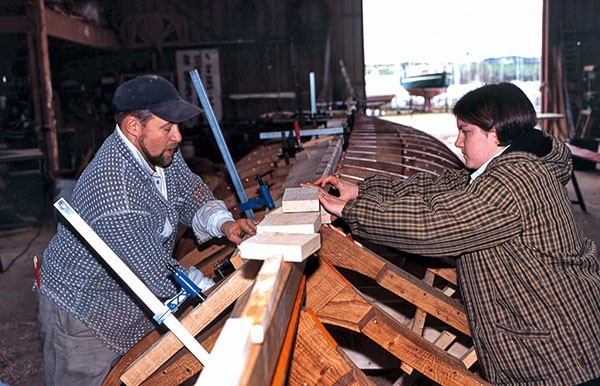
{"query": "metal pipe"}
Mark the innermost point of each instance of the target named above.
(214, 125)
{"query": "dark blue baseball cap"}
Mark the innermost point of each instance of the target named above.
(155, 94)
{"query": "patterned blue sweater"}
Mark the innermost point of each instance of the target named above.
(118, 199)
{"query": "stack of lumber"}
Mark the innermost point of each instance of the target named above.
(287, 234)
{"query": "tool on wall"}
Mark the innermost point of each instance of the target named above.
(160, 310)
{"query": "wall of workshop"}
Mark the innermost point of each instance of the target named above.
(265, 46)
(269, 46)
(573, 30)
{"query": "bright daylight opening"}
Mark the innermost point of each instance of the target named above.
(423, 55)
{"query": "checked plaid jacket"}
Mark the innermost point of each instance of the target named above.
(529, 278)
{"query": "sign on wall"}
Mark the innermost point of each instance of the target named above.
(206, 61)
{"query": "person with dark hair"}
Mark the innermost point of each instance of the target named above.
(529, 278)
(134, 194)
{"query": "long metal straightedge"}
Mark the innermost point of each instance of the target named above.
(214, 125)
(136, 285)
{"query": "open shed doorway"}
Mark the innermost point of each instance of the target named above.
(472, 42)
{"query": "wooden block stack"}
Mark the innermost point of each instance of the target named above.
(290, 231)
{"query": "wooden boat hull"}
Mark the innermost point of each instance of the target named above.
(297, 347)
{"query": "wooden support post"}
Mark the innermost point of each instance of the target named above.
(46, 84)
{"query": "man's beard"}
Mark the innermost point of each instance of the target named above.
(162, 160)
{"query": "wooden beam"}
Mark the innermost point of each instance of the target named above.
(262, 298)
(45, 78)
(220, 299)
(182, 366)
(443, 341)
(259, 361)
(77, 31)
(336, 302)
(418, 322)
(318, 360)
(342, 252)
(280, 376)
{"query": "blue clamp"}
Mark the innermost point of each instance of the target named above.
(264, 200)
(188, 288)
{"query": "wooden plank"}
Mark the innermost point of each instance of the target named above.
(220, 299)
(293, 247)
(260, 363)
(443, 341)
(349, 309)
(196, 256)
(342, 252)
(182, 366)
(298, 222)
(300, 200)
(418, 323)
(280, 375)
(318, 360)
(448, 274)
(259, 306)
(226, 363)
(77, 31)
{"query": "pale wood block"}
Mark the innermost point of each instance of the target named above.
(444, 340)
(294, 247)
(260, 303)
(469, 358)
(301, 200)
(325, 216)
(229, 355)
(300, 222)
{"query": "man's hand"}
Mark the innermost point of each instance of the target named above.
(235, 230)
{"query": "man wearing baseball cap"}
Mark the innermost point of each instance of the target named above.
(134, 194)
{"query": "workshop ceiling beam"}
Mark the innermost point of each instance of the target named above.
(73, 30)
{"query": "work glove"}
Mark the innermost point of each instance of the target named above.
(199, 279)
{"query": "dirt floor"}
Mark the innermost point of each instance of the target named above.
(21, 361)
(20, 347)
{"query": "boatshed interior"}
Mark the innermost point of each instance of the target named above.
(268, 67)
